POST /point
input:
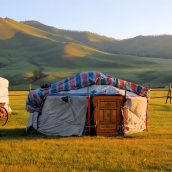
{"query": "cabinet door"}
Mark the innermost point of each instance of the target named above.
(107, 115)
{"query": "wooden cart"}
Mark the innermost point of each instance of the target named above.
(3, 114)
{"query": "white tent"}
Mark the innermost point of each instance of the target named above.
(4, 98)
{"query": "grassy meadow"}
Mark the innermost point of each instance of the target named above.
(148, 151)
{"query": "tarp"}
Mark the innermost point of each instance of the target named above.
(4, 95)
(135, 115)
(36, 97)
(4, 82)
(60, 117)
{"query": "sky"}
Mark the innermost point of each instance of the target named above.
(119, 19)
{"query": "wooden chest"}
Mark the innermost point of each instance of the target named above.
(107, 114)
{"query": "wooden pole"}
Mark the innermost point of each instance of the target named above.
(125, 91)
(169, 94)
(88, 111)
(147, 115)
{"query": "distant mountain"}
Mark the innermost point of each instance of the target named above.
(91, 39)
(153, 46)
(33, 52)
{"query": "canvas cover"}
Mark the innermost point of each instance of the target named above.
(4, 82)
(4, 98)
(61, 116)
(135, 116)
(85, 79)
(134, 112)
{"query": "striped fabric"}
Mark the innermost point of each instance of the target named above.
(36, 97)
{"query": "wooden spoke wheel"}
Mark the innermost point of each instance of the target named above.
(3, 116)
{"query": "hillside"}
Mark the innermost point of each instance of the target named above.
(33, 52)
(153, 46)
(91, 39)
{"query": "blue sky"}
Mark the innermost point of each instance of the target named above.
(115, 18)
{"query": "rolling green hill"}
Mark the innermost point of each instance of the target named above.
(152, 46)
(33, 52)
(91, 39)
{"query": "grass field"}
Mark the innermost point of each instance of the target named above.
(148, 151)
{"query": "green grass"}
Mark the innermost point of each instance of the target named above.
(147, 151)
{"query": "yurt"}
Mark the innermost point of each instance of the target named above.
(4, 98)
(88, 103)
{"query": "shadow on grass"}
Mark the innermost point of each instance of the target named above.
(164, 107)
(15, 113)
(17, 133)
(20, 134)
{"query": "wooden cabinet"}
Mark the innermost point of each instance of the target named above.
(107, 114)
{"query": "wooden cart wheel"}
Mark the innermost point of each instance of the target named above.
(3, 116)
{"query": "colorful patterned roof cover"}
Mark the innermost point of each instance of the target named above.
(36, 97)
